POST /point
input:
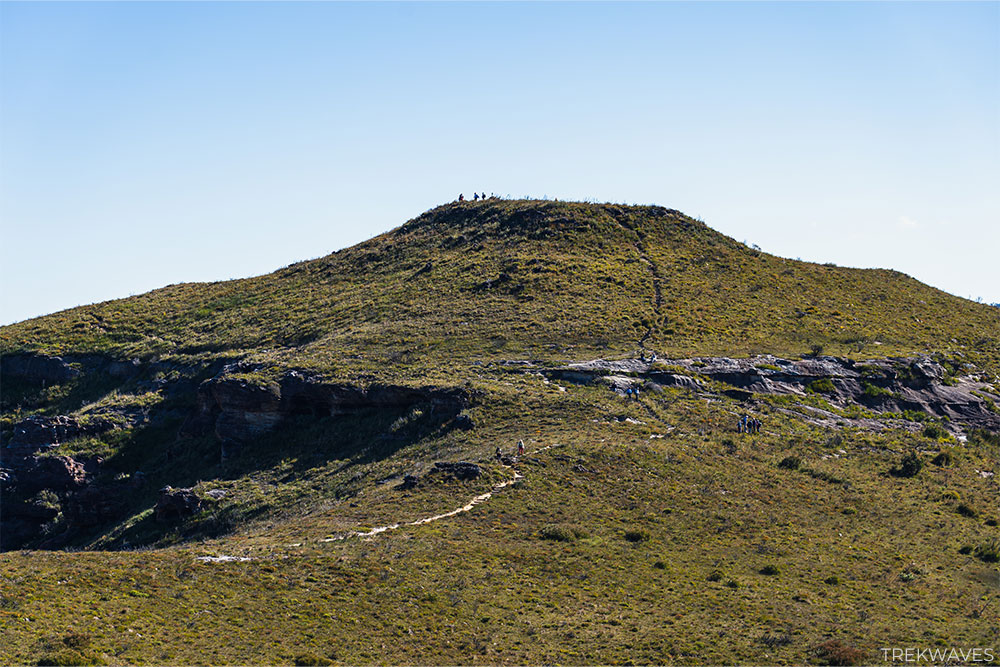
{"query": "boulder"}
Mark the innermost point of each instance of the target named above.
(175, 504)
(463, 470)
(58, 473)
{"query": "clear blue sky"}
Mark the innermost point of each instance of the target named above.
(143, 144)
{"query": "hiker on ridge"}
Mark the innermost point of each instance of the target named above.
(520, 447)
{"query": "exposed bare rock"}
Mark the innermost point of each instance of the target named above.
(36, 368)
(238, 410)
(463, 470)
(38, 432)
(175, 504)
(58, 473)
(882, 385)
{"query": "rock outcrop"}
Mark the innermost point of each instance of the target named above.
(463, 470)
(38, 432)
(238, 409)
(175, 504)
(918, 384)
(36, 368)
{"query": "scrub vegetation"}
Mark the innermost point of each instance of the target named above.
(636, 532)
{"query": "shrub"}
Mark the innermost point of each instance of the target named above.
(310, 660)
(991, 522)
(822, 386)
(790, 463)
(944, 458)
(815, 350)
(950, 494)
(769, 570)
(835, 652)
(935, 432)
(965, 549)
(909, 466)
(981, 436)
(561, 533)
(77, 640)
(660, 565)
(715, 576)
(637, 535)
(833, 580)
(774, 641)
(732, 583)
(966, 510)
(69, 657)
(989, 551)
(914, 415)
(875, 392)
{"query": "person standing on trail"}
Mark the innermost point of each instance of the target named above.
(520, 447)
(461, 197)
(636, 393)
(499, 453)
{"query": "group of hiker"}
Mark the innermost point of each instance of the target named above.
(477, 196)
(520, 450)
(748, 424)
(631, 393)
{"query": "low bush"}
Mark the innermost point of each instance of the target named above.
(832, 581)
(69, 657)
(989, 551)
(944, 458)
(774, 641)
(561, 533)
(822, 386)
(981, 436)
(966, 510)
(837, 653)
(790, 463)
(311, 660)
(637, 535)
(770, 570)
(875, 392)
(935, 432)
(909, 466)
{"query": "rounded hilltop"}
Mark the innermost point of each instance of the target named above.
(526, 215)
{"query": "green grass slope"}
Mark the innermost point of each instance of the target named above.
(504, 279)
(615, 547)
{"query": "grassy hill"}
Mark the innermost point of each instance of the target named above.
(633, 531)
(498, 279)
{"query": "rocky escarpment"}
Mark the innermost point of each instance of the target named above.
(237, 407)
(959, 395)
